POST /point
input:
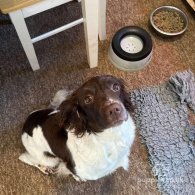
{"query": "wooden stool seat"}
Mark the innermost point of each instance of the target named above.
(7, 6)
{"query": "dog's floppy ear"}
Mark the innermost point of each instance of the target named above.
(71, 117)
(67, 108)
(125, 97)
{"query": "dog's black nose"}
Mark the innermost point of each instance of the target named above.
(114, 110)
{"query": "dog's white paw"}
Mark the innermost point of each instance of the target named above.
(79, 179)
(125, 164)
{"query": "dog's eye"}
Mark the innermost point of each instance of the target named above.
(88, 99)
(115, 87)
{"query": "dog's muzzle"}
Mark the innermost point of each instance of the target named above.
(115, 113)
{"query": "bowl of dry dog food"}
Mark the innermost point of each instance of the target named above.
(169, 20)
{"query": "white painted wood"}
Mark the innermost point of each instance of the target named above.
(23, 34)
(94, 15)
(102, 19)
(90, 15)
(57, 30)
(42, 6)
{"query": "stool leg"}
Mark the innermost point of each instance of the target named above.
(102, 19)
(23, 34)
(90, 15)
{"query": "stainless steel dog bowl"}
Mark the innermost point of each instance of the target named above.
(169, 8)
(131, 48)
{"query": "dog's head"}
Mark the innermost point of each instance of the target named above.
(100, 103)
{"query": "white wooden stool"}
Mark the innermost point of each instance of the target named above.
(94, 18)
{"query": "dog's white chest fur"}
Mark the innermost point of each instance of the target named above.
(98, 155)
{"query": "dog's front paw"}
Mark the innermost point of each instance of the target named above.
(79, 179)
(125, 164)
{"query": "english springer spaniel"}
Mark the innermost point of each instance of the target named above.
(88, 135)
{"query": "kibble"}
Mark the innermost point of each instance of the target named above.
(168, 21)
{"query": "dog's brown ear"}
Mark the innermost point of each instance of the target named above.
(125, 97)
(67, 108)
(72, 118)
(127, 102)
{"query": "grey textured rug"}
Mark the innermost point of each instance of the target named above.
(162, 117)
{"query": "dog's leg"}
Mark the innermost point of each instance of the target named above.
(28, 159)
(62, 170)
(47, 170)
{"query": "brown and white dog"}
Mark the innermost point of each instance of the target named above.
(88, 135)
